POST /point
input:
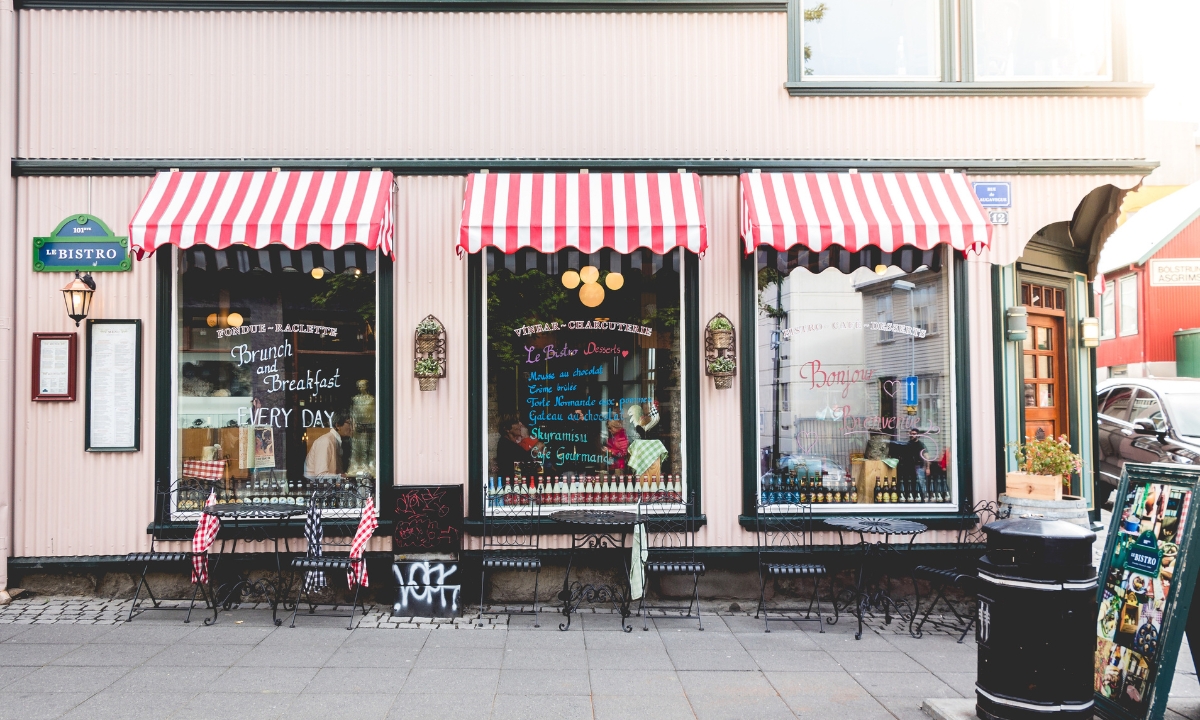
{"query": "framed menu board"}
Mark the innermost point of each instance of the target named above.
(1148, 573)
(53, 366)
(112, 418)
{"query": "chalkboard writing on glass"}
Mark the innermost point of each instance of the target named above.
(1147, 573)
(429, 518)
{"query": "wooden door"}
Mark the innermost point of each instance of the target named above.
(1043, 356)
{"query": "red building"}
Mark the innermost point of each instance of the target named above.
(1150, 270)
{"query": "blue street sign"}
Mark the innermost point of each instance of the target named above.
(910, 390)
(994, 195)
(81, 243)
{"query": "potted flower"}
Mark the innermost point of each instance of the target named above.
(722, 332)
(428, 370)
(427, 335)
(1046, 467)
(722, 369)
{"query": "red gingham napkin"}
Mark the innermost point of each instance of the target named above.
(206, 532)
(370, 520)
(204, 469)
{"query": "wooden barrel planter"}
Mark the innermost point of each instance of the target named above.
(1071, 508)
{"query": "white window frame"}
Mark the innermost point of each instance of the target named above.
(1108, 312)
(939, 64)
(1127, 327)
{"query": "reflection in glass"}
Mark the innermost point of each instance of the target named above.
(1045, 366)
(1046, 395)
(867, 421)
(1030, 396)
(871, 38)
(1029, 372)
(1042, 39)
(1043, 338)
(276, 373)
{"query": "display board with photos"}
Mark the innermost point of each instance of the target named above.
(1147, 576)
(855, 379)
(583, 378)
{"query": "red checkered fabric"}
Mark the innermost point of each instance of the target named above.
(357, 574)
(204, 469)
(206, 533)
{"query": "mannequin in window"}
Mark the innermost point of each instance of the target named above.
(362, 447)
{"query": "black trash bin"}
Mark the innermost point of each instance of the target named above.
(1037, 617)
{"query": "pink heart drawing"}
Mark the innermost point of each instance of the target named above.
(890, 387)
(806, 440)
(624, 353)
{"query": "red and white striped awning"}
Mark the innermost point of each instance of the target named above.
(584, 211)
(257, 209)
(856, 210)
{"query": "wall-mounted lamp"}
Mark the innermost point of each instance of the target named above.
(1016, 323)
(1089, 331)
(78, 297)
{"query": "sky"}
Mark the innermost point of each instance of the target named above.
(1164, 39)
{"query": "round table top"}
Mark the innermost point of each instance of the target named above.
(879, 526)
(602, 518)
(263, 511)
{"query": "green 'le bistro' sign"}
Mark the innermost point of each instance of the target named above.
(81, 243)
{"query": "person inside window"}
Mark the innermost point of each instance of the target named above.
(325, 457)
(514, 449)
(913, 466)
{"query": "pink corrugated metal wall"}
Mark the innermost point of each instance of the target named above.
(313, 84)
(67, 501)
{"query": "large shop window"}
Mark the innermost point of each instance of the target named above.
(584, 403)
(867, 359)
(276, 374)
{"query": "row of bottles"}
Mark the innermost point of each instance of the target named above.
(814, 489)
(582, 490)
(807, 489)
(891, 490)
(275, 490)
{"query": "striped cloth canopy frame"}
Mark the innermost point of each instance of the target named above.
(256, 209)
(858, 210)
(583, 211)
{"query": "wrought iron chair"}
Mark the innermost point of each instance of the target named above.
(340, 511)
(185, 496)
(960, 573)
(512, 538)
(785, 549)
(671, 545)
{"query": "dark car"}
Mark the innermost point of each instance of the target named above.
(1147, 420)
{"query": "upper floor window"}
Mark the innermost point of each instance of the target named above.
(1042, 39)
(925, 308)
(1128, 316)
(883, 316)
(892, 39)
(1108, 313)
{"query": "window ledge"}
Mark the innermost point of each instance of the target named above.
(934, 521)
(818, 88)
(549, 526)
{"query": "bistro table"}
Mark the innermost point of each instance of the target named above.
(868, 593)
(258, 522)
(595, 530)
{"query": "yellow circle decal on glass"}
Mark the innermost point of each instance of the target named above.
(318, 273)
(234, 320)
(591, 294)
(212, 320)
(570, 279)
(614, 281)
(880, 269)
(589, 274)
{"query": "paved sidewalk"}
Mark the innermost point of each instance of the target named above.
(72, 658)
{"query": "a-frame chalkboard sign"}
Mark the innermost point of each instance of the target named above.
(1147, 574)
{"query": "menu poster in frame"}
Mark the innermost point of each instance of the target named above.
(54, 366)
(114, 386)
(1147, 578)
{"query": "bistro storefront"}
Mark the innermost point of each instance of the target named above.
(376, 303)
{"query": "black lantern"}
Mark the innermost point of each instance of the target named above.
(78, 297)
